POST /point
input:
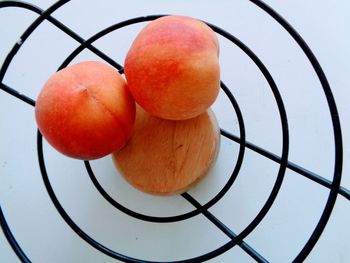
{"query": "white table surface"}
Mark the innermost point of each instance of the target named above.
(43, 234)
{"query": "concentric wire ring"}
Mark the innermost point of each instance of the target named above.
(235, 239)
(336, 129)
(196, 211)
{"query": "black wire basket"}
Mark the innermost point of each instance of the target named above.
(235, 239)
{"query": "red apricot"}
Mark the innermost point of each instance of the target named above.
(172, 67)
(85, 111)
(165, 157)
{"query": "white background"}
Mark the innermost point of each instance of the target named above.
(45, 237)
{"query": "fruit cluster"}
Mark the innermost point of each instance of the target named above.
(87, 110)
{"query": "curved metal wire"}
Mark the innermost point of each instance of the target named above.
(238, 238)
(283, 160)
(336, 130)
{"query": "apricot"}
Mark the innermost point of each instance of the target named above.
(172, 67)
(165, 157)
(86, 111)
